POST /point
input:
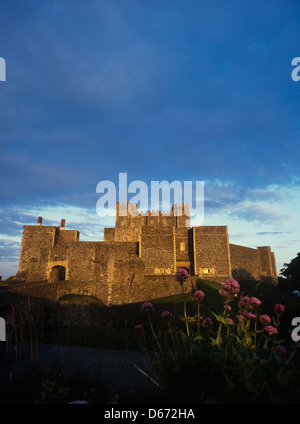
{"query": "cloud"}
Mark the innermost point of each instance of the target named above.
(264, 233)
(86, 221)
(260, 212)
(251, 204)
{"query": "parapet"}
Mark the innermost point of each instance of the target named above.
(178, 209)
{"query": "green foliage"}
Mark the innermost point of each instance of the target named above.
(227, 363)
(52, 386)
(292, 270)
(117, 328)
(58, 388)
(234, 361)
(52, 392)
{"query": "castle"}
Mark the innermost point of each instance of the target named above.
(138, 258)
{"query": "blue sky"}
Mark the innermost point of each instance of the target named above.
(163, 90)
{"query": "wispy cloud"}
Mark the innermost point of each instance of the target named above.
(264, 233)
(260, 212)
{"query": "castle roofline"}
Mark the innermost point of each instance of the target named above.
(183, 208)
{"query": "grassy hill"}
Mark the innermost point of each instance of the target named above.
(117, 329)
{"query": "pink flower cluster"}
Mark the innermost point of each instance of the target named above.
(147, 308)
(198, 296)
(207, 323)
(265, 320)
(249, 303)
(230, 288)
(181, 274)
(165, 315)
(247, 307)
(270, 330)
(280, 350)
(279, 309)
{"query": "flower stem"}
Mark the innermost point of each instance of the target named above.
(186, 322)
(198, 317)
(153, 332)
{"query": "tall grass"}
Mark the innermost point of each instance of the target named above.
(26, 331)
(22, 332)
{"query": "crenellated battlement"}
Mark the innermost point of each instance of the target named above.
(131, 209)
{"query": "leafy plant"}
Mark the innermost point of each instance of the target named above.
(235, 358)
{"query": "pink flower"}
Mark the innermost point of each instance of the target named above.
(229, 321)
(244, 301)
(265, 319)
(255, 302)
(198, 296)
(249, 302)
(270, 330)
(279, 309)
(250, 315)
(147, 307)
(138, 328)
(165, 315)
(229, 288)
(227, 308)
(207, 323)
(280, 350)
(181, 274)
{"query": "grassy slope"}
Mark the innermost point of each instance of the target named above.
(119, 321)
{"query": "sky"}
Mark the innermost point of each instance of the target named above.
(185, 90)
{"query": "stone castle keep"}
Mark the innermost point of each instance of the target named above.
(137, 259)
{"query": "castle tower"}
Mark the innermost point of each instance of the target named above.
(43, 251)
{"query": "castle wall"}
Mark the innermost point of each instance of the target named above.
(148, 287)
(183, 220)
(37, 242)
(90, 261)
(127, 285)
(157, 250)
(128, 226)
(66, 237)
(109, 234)
(245, 263)
(183, 248)
(274, 267)
(137, 259)
(267, 264)
(211, 252)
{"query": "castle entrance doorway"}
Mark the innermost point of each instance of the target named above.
(184, 265)
(58, 273)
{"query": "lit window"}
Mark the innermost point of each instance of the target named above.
(210, 271)
(182, 246)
